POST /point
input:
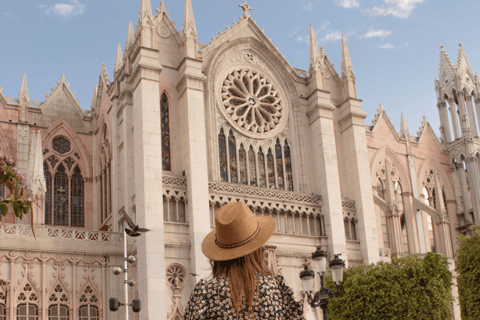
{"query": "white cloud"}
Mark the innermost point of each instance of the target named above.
(376, 33)
(387, 46)
(347, 4)
(397, 8)
(64, 10)
(334, 36)
(8, 15)
(307, 6)
(322, 27)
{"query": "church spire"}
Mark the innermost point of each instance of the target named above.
(24, 99)
(119, 60)
(189, 28)
(314, 53)
(348, 77)
(94, 98)
(130, 36)
(145, 9)
(403, 127)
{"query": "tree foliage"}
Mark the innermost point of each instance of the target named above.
(407, 288)
(468, 268)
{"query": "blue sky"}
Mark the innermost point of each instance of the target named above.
(394, 44)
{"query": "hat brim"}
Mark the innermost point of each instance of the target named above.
(210, 249)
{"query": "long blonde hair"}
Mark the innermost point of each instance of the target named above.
(242, 275)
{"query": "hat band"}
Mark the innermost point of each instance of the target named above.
(229, 246)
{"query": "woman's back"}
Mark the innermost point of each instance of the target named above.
(273, 300)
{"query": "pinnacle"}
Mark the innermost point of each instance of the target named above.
(119, 59)
(314, 53)
(130, 35)
(189, 28)
(145, 9)
(403, 126)
(94, 96)
(24, 92)
(346, 61)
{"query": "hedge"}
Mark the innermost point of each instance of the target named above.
(407, 288)
(468, 268)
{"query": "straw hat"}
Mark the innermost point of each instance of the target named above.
(238, 232)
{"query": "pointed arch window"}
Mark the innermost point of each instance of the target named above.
(48, 193)
(165, 127)
(232, 153)
(223, 156)
(242, 160)
(61, 197)
(261, 169)
(3, 308)
(270, 169)
(27, 311)
(77, 199)
(88, 312)
(279, 163)
(288, 167)
(252, 164)
(58, 312)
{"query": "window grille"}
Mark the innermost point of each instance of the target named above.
(27, 311)
(61, 197)
(77, 199)
(48, 193)
(165, 126)
(58, 312)
(3, 312)
(88, 312)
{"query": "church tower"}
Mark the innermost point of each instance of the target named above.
(457, 87)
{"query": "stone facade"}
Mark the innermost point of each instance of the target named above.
(183, 128)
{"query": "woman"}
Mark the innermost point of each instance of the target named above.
(242, 287)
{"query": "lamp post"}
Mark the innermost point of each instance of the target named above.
(320, 298)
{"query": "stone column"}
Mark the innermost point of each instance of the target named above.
(109, 187)
(442, 108)
(477, 108)
(453, 112)
(473, 175)
(471, 116)
(326, 176)
(467, 205)
(409, 210)
(358, 179)
(147, 151)
(444, 242)
(194, 158)
(462, 112)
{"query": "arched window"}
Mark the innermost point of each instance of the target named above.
(252, 164)
(288, 167)
(88, 312)
(270, 169)
(48, 193)
(27, 311)
(261, 169)
(58, 312)
(3, 308)
(61, 197)
(165, 127)
(222, 150)
(232, 153)
(346, 226)
(77, 200)
(242, 159)
(279, 162)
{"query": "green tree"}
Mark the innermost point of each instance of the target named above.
(468, 268)
(407, 288)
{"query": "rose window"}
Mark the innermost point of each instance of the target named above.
(252, 102)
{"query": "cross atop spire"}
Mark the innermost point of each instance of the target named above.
(119, 60)
(347, 68)
(245, 7)
(189, 28)
(24, 99)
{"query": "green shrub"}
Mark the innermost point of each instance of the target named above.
(468, 268)
(408, 288)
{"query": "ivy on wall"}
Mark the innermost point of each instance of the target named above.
(468, 268)
(407, 288)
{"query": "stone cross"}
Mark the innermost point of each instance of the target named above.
(245, 7)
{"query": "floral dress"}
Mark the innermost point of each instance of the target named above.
(274, 300)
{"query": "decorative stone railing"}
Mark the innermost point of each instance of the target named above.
(61, 233)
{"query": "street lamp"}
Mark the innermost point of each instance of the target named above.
(320, 298)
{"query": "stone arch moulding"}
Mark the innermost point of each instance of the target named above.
(5, 145)
(283, 73)
(62, 127)
(431, 162)
(387, 152)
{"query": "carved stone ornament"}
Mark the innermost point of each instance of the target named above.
(163, 31)
(61, 144)
(252, 103)
(176, 275)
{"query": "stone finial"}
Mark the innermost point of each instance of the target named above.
(145, 9)
(23, 98)
(119, 59)
(189, 28)
(403, 127)
(314, 53)
(162, 6)
(94, 97)
(461, 45)
(246, 8)
(130, 35)
(347, 68)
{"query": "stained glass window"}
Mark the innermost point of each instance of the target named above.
(61, 197)
(279, 162)
(88, 313)
(232, 152)
(288, 167)
(242, 160)
(58, 312)
(252, 167)
(27, 309)
(77, 203)
(222, 151)
(165, 121)
(48, 193)
(270, 169)
(262, 179)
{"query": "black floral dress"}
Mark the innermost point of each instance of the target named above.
(274, 300)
